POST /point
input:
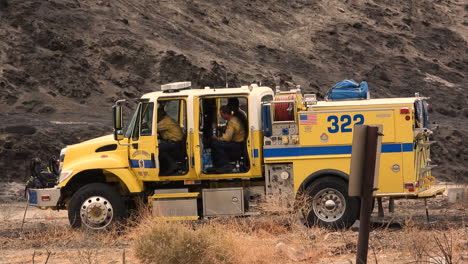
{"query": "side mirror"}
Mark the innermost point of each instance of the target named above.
(266, 118)
(117, 116)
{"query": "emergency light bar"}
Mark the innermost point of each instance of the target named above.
(175, 86)
(310, 99)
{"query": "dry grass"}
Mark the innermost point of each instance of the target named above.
(162, 242)
(57, 235)
(446, 246)
(178, 242)
(277, 236)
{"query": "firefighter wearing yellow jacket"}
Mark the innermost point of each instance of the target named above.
(170, 142)
(231, 142)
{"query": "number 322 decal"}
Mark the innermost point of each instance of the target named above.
(344, 123)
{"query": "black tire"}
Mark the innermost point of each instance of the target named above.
(96, 206)
(329, 204)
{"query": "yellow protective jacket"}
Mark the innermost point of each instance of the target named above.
(235, 131)
(168, 129)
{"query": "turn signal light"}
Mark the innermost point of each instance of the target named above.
(404, 111)
(411, 186)
(45, 198)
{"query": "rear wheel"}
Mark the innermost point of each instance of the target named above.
(329, 204)
(96, 206)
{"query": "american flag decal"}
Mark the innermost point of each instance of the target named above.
(308, 119)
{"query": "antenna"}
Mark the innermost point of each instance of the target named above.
(225, 71)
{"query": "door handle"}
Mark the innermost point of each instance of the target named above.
(135, 145)
(153, 160)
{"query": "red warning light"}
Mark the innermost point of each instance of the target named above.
(404, 111)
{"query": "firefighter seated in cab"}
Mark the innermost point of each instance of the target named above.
(170, 142)
(233, 103)
(231, 142)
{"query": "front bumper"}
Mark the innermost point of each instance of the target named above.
(47, 197)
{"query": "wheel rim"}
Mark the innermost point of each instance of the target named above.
(329, 205)
(96, 212)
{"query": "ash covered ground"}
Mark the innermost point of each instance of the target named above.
(64, 62)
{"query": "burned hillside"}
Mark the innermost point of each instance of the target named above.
(64, 62)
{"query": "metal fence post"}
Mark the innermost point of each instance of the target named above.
(367, 188)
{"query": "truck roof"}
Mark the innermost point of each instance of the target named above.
(209, 91)
(382, 101)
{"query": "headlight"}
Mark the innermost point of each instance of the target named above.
(64, 175)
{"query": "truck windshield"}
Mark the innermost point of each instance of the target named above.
(128, 133)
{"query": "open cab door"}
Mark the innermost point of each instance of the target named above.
(210, 124)
(175, 108)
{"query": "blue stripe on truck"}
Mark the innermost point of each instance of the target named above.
(329, 150)
(134, 163)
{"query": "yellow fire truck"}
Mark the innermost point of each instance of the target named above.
(294, 146)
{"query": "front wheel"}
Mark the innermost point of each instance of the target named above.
(329, 204)
(95, 207)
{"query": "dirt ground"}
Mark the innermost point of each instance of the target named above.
(396, 238)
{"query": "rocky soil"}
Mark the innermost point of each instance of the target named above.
(64, 62)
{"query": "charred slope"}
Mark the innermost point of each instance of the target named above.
(64, 62)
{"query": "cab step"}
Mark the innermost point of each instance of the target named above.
(174, 205)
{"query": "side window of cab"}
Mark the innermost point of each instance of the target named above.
(146, 127)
